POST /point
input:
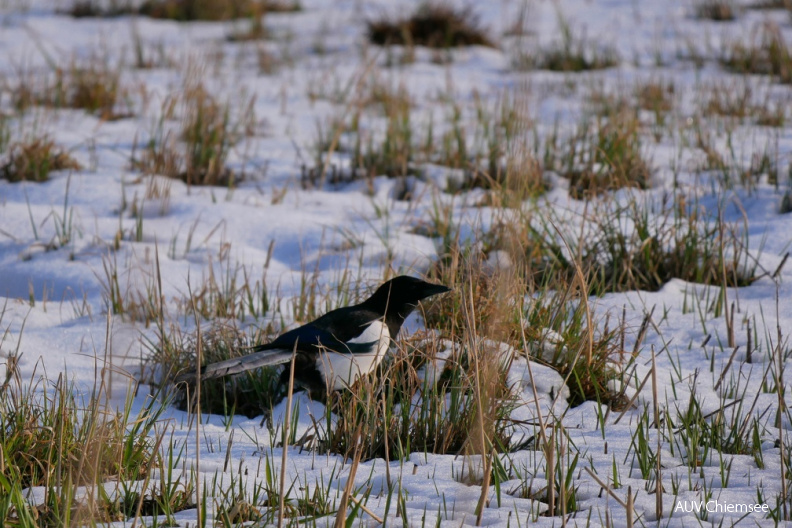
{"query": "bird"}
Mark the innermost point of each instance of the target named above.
(333, 351)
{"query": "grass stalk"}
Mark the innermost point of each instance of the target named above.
(285, 439)
(198, 420)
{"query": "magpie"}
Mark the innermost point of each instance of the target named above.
(334, 350)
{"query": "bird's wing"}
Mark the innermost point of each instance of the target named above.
(307, 339)
(311, 338)
(344, 324)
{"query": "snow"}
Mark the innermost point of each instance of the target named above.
(58, 241)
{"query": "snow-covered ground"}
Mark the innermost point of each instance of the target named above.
(62, 240)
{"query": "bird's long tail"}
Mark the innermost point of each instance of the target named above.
(236, 365)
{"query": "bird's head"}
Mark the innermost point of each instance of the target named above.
(404, 291)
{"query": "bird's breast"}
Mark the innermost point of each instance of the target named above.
(340, 369)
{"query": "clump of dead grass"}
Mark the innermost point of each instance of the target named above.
(395, 422)
(96, 9)
(565, 59)
(435, 25)
(250, 394)
(771, 4)
(740, 102)
(523, 301)
(198, 156)
(606, 154)
(34, 159)
(630, 247)
(187, 10)
(522, 177)
(729, 101)
(71, 444)
(717, 10)
(493, 152)
(655, 96)
(767, 54)
(93, 86)
(573, 53)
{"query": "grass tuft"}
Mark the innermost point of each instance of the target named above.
(187, 10)
(434, 25)
(67, 442)
(634, 247)
(521, 178)
(552, 326)
(406, 410)
(56, 426)
(96, 9)
(493, 152)
(34, 159)
(771, 4)
(250, 394)
(207, 136)
(94, 87)
(656, 96)
(739, 102)
(605, 155)
(559, 335)
(571, 54)
(766, 54)
(717, 10)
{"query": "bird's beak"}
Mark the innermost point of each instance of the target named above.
(435, 289)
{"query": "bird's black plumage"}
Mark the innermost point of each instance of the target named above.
(333, 350)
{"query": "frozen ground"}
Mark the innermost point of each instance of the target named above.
(59, 237)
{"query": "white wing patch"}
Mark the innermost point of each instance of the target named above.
(340, 370)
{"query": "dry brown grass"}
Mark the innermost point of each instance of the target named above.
(250, 394)
(198, 155)
(93, 86)
(34, 159)
(464, 409)
(435, 25)
(502, 312)
(717, 10)
(655, 96)
(572, 53)
(606, 155)
(739, 101)
(71, 444)
(767, 53)
(522, 177)
(93, 8)
(186, 10)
